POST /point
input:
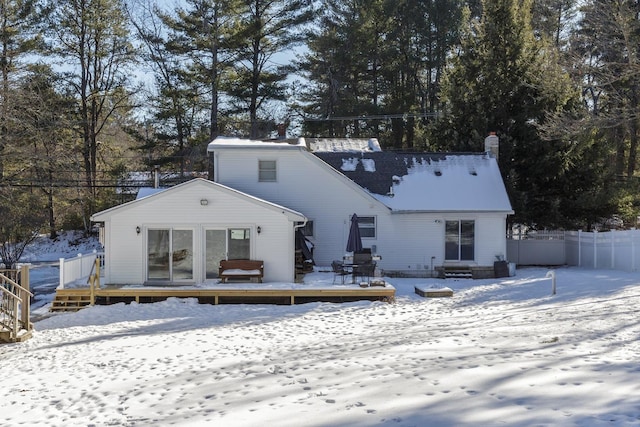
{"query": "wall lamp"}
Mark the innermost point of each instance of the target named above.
(259, 229)
(204, 202)
(137, 229)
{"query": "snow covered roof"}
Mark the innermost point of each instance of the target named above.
(417, 182)
(148, 191)
(352, 145)
(229, 142)
(342, 144)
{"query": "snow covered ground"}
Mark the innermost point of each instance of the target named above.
(499, 352)
(44, 254)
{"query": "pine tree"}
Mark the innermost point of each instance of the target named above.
(268, 27)
(608, 45)
(380, 59)
(20, 24)
(91, 37)
(507, 81)
(43, 124)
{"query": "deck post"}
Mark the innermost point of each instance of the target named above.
(61, 266)
(94, 281)
(97, 270)
(15, 322)
(26, 298)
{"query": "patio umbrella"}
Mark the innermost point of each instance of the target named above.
(354, 242)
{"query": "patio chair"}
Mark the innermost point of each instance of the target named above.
(363, 257)
(339, 270)
(366, 270)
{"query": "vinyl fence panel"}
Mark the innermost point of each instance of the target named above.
(617, 250)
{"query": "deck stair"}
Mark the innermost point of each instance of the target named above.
(70, 300)
(15, 305)
(457, 273)
(6, 336)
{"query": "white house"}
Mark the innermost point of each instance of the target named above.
(179, 235)
(417, 211)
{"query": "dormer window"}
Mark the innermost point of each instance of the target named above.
(267, 171)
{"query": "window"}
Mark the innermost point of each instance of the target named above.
(459, 240)
(307, 230)
(239, 243)
(367, 225)
(266, 170)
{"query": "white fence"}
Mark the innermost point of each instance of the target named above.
(77, 270)
(616, 250)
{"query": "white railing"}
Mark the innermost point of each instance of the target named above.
(77, 270)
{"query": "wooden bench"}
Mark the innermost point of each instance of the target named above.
(241, 269)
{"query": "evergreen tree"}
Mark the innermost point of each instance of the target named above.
(177, 103)
(91, 38)
(379, 63)
(504, 80)
(20, 25)
(268, 27)
(205, 35)
(44, 123)
(603, 52)
(554, 19)
(420, 36)
(608, 46)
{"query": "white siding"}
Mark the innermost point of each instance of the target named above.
(491, 238)
(306, 185)
(126, 250)
(406, 241)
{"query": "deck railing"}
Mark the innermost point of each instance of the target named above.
(78, 270)
(15, 302)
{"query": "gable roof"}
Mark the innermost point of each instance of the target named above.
(289, 213)
(418, 182)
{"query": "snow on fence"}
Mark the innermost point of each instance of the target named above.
(78, 269)
(616, 250)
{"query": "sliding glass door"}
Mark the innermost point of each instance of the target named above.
(169, 254)
(459, 240)
(225, 243)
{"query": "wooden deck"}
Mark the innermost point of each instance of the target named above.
(76, 298)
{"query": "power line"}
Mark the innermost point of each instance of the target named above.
(375, 117)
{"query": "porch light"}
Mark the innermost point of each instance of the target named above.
(259, 229)
(204, 202)
(137, 229)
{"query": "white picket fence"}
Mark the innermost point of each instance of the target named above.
(616, 250)
(77, 270)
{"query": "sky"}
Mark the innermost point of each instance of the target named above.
(500, 352)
